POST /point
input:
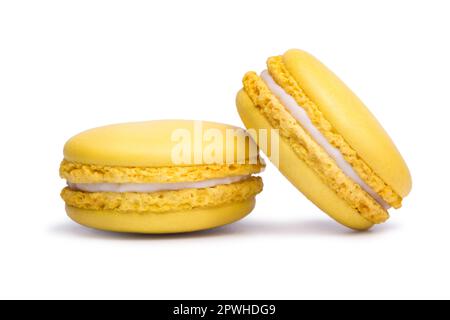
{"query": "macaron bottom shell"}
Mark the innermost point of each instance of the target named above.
(300, 174)
(171, 222)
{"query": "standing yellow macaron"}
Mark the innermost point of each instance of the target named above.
(331, 147)
(160, 176)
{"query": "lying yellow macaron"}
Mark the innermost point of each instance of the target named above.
(330, 146)
(160, 176)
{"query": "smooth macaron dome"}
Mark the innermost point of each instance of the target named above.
(160, 176)
(328, 132)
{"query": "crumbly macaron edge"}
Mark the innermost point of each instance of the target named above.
(86, 173)
(164, 201)
(309, 151)
(284, 79)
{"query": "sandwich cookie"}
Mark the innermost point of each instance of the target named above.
(160, 176)
(330, 146)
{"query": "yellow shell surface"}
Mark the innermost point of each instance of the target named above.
(152, 144)
(158, 223)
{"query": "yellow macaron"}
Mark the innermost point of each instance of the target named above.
(167, 176)
(330, 146)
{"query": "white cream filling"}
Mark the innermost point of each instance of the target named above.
(153, 187)
(302, 117)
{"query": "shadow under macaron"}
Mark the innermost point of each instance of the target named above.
(249, 227)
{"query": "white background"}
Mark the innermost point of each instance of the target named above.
(66, 66)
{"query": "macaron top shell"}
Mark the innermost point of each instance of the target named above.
(350, 117)
(152, 143)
